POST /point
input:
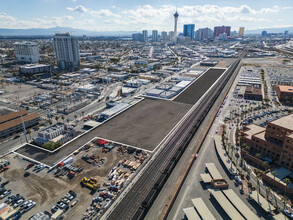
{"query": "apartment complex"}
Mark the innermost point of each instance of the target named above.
(274, 142)
(26, 52)
(12, 123)
(67, 51)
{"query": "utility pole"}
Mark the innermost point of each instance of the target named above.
(23, 125)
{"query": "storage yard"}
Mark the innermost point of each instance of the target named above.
(95, 173)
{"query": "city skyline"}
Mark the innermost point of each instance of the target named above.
(132, 16)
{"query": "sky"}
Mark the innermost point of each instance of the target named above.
(136, 15)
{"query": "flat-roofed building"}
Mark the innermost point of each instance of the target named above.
(253, 93)
(12, 123)
(274, 142)
(26, 52)
(285, 94)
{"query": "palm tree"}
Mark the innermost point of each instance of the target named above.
(28, 131)
(57, 118)
(258, 186)
(258, 156)
(268, 193)
(284, 200)
(63, 118)
(274, 173)
(50, 122)
(287, 182)
(75, 116)
(237, 157)
(266, 165)
(82, 114)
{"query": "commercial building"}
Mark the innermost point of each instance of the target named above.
(188, 30)
(203, 34)
(35, 68)
(221, 29)
(67, 51)
(241, 32)
(274, 142)
(253, 93)
(154, 35)
(58, 132)
(264, 33)
(144, 35)
(285, 94)
(12, 123)
(137, 37)
(26, 52)
(164, 36)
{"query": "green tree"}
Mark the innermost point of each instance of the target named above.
(49, 145)
(287, 182)
(57, 118)
(28, 131)
(284, 200)
(50, 122)
(63, 118)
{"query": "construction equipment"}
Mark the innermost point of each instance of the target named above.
(91, 183)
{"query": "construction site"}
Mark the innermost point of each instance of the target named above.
(97, 173)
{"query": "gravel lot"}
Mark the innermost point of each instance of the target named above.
(196, 90)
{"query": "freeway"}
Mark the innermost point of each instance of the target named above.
(141, 191)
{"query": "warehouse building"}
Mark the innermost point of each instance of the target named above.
(12, 123)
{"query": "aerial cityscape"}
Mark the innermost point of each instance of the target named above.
(159, 110)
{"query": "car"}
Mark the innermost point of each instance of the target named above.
(10, 198)
(6, 193)
(238, 180)
(29, 206)
(54, 209)
(66, 207)
(61, 205)
(16, 136)
(288, 213)
(30, 165)
(5, 183)
(18, 203)
(69, 196)
(24, 205)
(66, 201)
(72, 193)
(74, 203)
(26, 174)
(47, 213)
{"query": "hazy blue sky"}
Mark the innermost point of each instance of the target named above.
(130, 15)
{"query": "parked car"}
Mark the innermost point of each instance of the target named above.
(26, 174)
(18, 203)
(238, 180)
(6, 193)
(29, 206)
(54, 209)
(74, 203)
(4, 183)
(30, 165)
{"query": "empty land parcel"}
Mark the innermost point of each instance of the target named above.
(198, 88)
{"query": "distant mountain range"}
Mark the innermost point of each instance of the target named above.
(52, 31)
(80, 32)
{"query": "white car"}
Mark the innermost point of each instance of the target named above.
(18, 203)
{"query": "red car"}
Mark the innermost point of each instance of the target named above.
(30, 165)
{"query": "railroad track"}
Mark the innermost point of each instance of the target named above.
(138, 200)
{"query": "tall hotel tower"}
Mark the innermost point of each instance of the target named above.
(176, 15)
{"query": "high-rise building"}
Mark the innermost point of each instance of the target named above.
(264, 33)
(188, 30)
(286, 32)
(164, 36)
(176, 15)
(137, 37)
(154, 35)
(241, 32)
(171, 35)
(144, 35)
(221, 30)
(67, 51)
(203, 34)
(26, 52)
